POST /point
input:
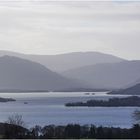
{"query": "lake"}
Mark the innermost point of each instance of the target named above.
(48, 108)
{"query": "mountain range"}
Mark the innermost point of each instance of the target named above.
(73, 72)
(63, 62)
(107, 75)
(18, 74)
(134, 90)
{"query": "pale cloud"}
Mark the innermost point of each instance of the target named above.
(57, 27)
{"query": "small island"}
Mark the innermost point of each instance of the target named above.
(3, 100)
(133, 101)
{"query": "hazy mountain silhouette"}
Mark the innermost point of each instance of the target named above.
(63, 62)
(116, 75)
(21, 74)
(133, 83)
(134, 90)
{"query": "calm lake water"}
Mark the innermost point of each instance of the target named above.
(48, 108)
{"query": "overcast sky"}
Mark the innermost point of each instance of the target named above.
(48, 27)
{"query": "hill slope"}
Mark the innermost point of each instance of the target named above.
(25, 75)
(107, 75)
(134, 90)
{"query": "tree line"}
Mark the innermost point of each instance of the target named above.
(113, 102)
(15, 128)
(70, 131)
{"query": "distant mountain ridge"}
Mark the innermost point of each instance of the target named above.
(63, 62)
(19, 74)
(77, 71)
(107, 75)
(134, 90)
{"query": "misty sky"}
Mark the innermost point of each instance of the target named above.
(48, 27)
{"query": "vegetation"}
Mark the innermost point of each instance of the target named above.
(113, 102)
(15, 120)
(71, 131)
(136, 116)
(6, 100)
(14, 129)
(11, 131)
